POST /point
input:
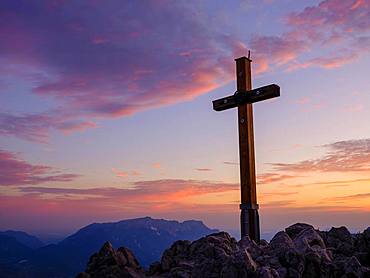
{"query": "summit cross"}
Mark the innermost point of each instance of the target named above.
(243, 99)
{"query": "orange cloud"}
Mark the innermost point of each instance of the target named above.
(124, 174)
(351, 197)
(267, 178)
(203, 169)
(157, 165)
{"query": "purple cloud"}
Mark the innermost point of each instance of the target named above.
(114, 59)
(15, 171)
(36, 127)
(110, 60)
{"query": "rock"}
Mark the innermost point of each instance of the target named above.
(367, 234)
(114, 264)
(283, 272)
(244, 258)
(342, 240)
(294, 261)
(251, 247)
(281, 243)
(175, 254)
(362, 247)
(353, 268)
(83, 275)
(295, 229)
(268, 272)
(308, 238)
(299, 251)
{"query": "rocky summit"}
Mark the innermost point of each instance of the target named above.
(299, 251)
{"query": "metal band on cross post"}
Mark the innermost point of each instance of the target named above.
(243, 99)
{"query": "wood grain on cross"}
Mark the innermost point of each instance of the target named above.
(243, 99)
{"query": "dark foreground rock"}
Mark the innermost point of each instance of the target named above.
(299, 251)
(110, 263)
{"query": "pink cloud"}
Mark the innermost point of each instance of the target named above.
(303, 101)
(346, 15)
(124, 174)
(339, 29)
(142, 190)
(36, 127)
(342, 156)
(15, 171)
(274, 51)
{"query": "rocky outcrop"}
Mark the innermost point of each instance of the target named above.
(299, 251)
(113, 264)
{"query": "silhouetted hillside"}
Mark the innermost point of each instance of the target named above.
(12, 251)
(147, 237)
(24, 238)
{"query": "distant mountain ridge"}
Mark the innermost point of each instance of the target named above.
(24, 238)
(147, 237)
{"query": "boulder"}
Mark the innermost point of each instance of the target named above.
(114, 264)
(295, 229)
(341, 240)
(307, 239)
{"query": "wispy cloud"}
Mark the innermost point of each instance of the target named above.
(342, 156)
(230, 163)
(14, 172)
(142, 190)
(36, 127)
(359, 196)
(267, 178)
(124, 174)
(341, 183)
(203, 169)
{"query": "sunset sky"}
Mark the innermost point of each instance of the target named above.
(106, 112)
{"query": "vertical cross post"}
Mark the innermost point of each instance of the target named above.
(249, 218)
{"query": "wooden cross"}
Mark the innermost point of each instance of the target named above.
(243, 99)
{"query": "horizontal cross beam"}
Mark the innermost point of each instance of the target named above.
(240, 98)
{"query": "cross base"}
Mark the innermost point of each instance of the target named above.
(250, 221)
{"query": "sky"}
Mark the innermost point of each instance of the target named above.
(106, 112)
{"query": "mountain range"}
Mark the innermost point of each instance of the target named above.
(23, 255)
